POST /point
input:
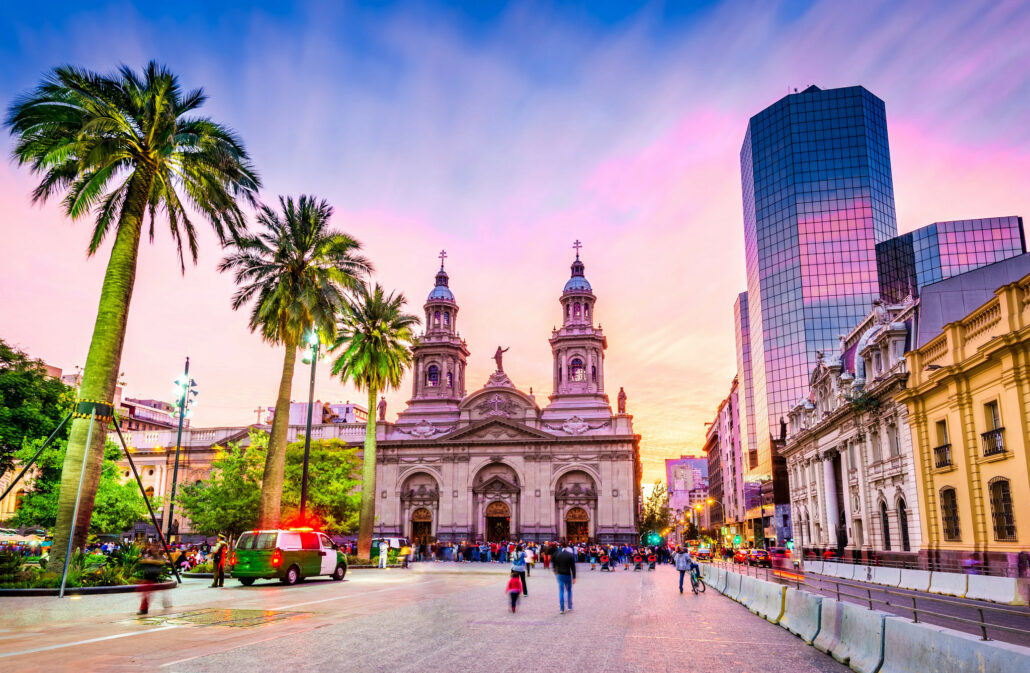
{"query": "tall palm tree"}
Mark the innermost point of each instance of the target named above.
(297, 271)
(119, 147)
(376, 337)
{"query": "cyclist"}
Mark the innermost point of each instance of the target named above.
(684, 563)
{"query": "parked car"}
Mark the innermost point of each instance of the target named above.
(740, 556)
(759, 557)
(703, 554)
(287, 555)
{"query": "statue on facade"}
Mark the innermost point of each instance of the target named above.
(622, 400)
(498, 356)
(382, 408)
(783, 429)
(328, 415)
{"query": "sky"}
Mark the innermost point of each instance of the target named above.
(502, 133)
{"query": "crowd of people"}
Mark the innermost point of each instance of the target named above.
(536, 552)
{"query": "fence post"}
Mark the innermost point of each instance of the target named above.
(983, 626)
(915, 612)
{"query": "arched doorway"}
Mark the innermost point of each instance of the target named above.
(421, 525)
(498, 522)
(577, 525)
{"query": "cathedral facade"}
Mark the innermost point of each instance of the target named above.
(494, 464)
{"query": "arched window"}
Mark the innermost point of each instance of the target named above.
(446, 318)
(586, 310)
(949, 514)
(575, 310)
(436, 319)
(150, 492)
(885, 523)
(433, 376)
(1001, 509)
(450, 380)
(568, 310)
(576, 370)
(18, 497)
(593, 373)
(903, 525)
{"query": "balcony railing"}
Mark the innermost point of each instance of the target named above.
(942, 455)
(994, 442)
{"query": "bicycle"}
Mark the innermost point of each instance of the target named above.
(696, 581)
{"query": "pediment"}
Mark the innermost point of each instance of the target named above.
(495, 430)
(496, 484)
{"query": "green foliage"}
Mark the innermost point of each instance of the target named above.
(656, 516)
(118, 504)
(227, 502)
(31, 403)
(206, 567)
(862, 402)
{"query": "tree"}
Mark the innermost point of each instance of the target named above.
(118, 504)
(375, 336)
(118, 147)
(228, 501)
(296, 272)
(32, 404)
(656, 510)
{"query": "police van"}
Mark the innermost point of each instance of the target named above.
(287, 555)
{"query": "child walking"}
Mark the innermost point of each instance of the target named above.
(513, 589)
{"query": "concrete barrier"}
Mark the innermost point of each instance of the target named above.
(747, 590)
(887, 576)
(844, 571)
(862, 573)
(801, 613)
(828, 637)
(914, 580)
(861, 638)
(732, 589)
(813, 567)
(1008, 590)
(911, 647)
(948, 584)
(767, 601)
(720, 580)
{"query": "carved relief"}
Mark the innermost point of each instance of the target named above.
(576, 426)
(497, 405)
(423, 430)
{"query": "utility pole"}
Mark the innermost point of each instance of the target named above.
(186, 389)
(313, 340)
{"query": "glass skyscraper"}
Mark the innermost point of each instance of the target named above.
(936, 252)
(746, 406)
(818, 197)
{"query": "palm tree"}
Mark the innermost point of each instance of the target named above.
(296, 270)
(118, 147)
(375, 335)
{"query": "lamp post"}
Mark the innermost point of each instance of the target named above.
(186, 388)
(313, 342)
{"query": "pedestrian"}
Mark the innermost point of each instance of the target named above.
(684, 563)
(513, 589)
(151, 564)
(404, 553)
(519, 567)
(565, 571)
(384, 552)
(218, 562)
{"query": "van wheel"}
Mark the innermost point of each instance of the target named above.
(292, 575)
(247, 581)
(340, 571)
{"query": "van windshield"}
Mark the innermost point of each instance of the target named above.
(256, 541)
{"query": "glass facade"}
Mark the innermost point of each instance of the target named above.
(936, 252)
(746, 407)
(817, 198)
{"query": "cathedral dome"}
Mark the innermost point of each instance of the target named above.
(441, 292)
(577, 284)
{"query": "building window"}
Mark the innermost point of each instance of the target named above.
(942, 433)
(446, 318)
(450, 380)
(893, 441)
(433, 376)
(577, 372)
(436, 319)
(150, 492)
(874, 441)
(906, 545)
(586, 311)
(885, 523)
(593, 374)
(1001, 509)
(575, 310)
(949, 514)
(992, 415)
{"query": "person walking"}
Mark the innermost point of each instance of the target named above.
(513, 589)
(684, 562)
(519, 567)
(565, 571)
(218, 562)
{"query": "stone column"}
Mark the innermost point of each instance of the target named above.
(849, 516)
(830, 495)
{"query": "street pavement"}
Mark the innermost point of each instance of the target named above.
(394, 620)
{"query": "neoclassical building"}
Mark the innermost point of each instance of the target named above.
(494, 464)
(849, 452)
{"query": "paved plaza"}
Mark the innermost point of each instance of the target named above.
(437, 618)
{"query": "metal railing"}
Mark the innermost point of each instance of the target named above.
(968, 567)
(994, 441)
(905, 603)
(942, 455)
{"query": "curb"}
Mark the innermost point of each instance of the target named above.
(120, 589)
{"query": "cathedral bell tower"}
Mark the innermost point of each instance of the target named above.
(441, 354)
(578, 349)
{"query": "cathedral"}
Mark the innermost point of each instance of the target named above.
(494, 465)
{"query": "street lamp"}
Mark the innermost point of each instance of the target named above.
(311, 357)
(186, 390)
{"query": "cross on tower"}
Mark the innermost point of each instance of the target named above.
(577, 245)
(442, 256)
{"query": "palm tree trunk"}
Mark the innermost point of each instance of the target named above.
(367, 513)
(275, 459)
(100, 376)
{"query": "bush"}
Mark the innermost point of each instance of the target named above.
(206, 567)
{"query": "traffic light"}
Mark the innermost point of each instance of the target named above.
(653, 538)
(736, 540)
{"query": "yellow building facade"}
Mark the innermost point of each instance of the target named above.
(968, 396)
